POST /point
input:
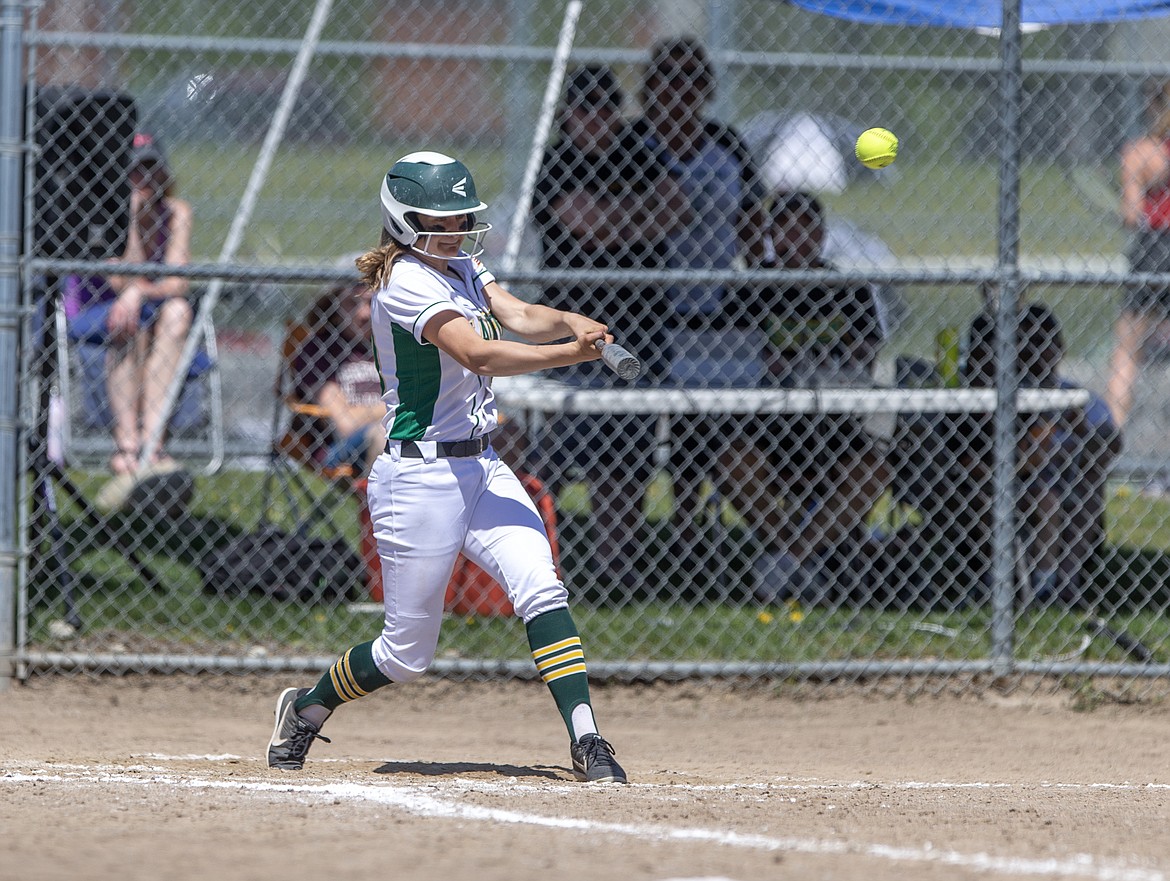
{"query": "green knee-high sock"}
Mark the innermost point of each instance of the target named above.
(353, 675)
(556, 649)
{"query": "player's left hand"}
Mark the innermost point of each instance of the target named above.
(580, 324)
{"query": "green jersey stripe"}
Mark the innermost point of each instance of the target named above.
(419, 373)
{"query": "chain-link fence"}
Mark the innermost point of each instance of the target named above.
(816, 474)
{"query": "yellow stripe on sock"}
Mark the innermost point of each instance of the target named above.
(574, 655)
(350, 679)
(341, 684)
(556, 647)
(344, 694)
(563, 672)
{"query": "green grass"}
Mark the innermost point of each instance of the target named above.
(638, 632)
(315, 203)
(117, 608)
(1139, 521)
(942, 207)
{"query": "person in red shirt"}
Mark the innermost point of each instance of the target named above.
(1145, 210)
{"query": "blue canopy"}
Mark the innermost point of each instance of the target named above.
(984, 13)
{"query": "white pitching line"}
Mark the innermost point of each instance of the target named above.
(421, 802)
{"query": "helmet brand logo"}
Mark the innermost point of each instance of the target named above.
(460, 189)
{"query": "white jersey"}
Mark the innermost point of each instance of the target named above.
(429, 395)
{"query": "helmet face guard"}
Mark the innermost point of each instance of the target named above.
(435, 185)
(474, 236)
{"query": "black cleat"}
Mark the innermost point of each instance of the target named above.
(292, 736)
(593, 760)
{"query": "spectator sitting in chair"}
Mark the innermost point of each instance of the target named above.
(335, 369)
(143, 320)
(806, 483)
(1063, 462)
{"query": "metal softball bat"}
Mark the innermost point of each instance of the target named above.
(620, 360)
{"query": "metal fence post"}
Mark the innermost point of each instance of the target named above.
(11, 20)
(1003, 536)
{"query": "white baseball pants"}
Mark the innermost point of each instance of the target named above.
(424, 513)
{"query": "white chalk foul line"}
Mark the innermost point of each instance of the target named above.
(793, 783)
(421, 802)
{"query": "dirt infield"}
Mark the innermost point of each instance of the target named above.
(163, 778)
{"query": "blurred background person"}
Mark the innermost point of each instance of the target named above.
(1064, 459)
(334, 368)
(1145, 212)
(806, 484)
(724, 229)
(604, 201)
(143, 320)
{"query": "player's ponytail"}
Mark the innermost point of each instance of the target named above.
(375, 264)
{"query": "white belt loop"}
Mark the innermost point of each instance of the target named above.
(394, 450)
(429, 450)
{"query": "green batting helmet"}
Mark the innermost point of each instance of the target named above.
(425, 183)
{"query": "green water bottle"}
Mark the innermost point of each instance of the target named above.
(947, 356)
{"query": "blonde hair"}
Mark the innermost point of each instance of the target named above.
(375, 265)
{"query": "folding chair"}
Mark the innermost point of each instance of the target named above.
(195, 429)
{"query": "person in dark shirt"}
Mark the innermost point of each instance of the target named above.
(1063, 461)
(335, 370)
(806, 483)
(604, 201)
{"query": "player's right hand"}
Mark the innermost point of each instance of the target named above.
(586, 343)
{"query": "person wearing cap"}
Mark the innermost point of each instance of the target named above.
(143, 320)
(604, 201)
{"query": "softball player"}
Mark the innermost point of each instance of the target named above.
(439, 489)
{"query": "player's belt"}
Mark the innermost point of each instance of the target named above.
(447, 449)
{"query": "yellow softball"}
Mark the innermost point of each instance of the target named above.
(876, 147)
